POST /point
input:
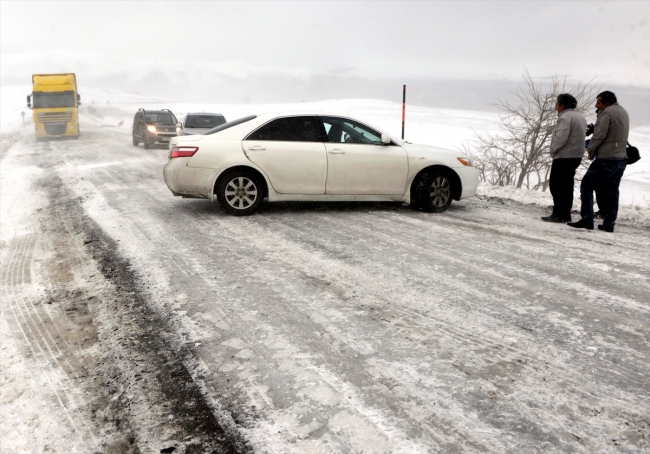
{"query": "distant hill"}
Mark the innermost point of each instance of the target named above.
(208, 83)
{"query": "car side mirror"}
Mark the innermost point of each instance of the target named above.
(385, 139)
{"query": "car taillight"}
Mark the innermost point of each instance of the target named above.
(183, 152)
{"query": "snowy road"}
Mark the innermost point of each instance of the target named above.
(133, 318)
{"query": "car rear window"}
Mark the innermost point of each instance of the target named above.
(204, 121)
(230, 124)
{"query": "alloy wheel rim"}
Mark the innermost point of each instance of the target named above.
(241, 193)
(440, 192)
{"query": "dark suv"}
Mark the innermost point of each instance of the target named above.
(153, 126)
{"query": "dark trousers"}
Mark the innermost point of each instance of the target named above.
(604, 175)
(561, 185)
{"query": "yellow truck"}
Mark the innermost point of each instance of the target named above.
(55, 104)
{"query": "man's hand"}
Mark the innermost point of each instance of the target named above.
(590, 129)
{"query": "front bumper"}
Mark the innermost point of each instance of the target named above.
(469, 181)
(159, 137)
(67, 129)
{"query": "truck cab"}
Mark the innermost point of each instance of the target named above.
(55, 102)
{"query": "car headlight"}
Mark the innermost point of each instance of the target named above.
(151, 128)
(465, 161)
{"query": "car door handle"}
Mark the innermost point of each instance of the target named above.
(336, 151)
(256, 148)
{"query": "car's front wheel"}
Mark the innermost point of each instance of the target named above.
(434, 192)
(134, 140)
(240, 193)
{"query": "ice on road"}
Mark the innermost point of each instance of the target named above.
(311, 327)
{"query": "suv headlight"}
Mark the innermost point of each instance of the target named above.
(151, 128)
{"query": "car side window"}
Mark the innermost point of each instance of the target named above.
(290, 129)
(344, 130)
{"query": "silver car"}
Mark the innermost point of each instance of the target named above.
(199, 123)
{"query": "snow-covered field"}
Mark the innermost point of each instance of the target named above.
(133, 319)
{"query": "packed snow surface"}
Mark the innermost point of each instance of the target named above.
(310, 327)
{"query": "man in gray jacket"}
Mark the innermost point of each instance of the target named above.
(567, 149)
(607, 149)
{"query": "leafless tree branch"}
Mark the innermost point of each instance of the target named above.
(519, 154)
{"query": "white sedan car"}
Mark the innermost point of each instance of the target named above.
(313, 157)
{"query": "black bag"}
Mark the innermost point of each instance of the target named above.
(632, 154)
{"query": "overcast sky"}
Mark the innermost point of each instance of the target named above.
(436, 39)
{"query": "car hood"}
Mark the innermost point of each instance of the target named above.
(191, 131)
(428, 151)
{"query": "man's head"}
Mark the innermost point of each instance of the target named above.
(565, 101)
(605, 99)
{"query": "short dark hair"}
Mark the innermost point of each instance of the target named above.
(607, 97)
(568, 101)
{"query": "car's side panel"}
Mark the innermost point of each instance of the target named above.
(212, 154)
(366, 169)
(277, 197)
(292, 167)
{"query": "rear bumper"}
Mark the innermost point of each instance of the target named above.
(188, 181)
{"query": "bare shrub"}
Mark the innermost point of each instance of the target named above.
(519, 154)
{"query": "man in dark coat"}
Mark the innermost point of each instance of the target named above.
(607, 150)
(567, 149)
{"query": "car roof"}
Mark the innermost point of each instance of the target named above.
(270, 115)
(241, 130)
(204, 113)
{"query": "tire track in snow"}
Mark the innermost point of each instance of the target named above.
(30, 322)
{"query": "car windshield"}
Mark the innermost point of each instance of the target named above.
(44, 100)
(204, 121)
(160, 118)
(230, 124)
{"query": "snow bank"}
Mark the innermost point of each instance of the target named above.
(635, 214)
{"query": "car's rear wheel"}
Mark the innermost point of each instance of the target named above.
(434, 191)
(240, 193)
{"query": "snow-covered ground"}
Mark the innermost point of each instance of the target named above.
(309, 327)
